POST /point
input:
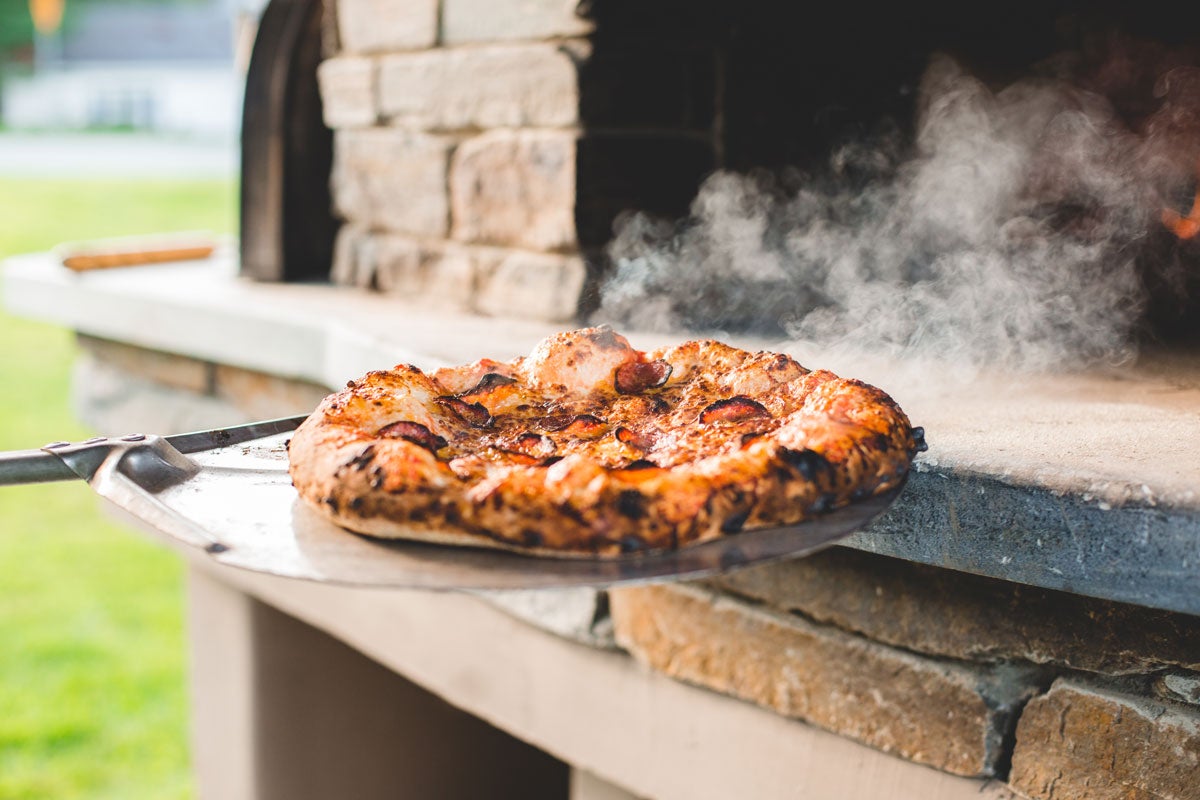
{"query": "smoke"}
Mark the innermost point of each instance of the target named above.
(1007, 235)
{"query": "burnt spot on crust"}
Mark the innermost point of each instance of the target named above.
(735, 522)
(635, 377)
(331, 501)
(364, 457)
(586, 426)
(807, 462)
(378, 476)
(823, 503)
(532, 538)
(918, 434)
(734, 409)
(605, 337)
(631, 543)
(356, 504)
(641, 463)
(551, 461)
(413, 432)
(631, 503)
(474, 414)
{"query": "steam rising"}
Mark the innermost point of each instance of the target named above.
(1008, 238)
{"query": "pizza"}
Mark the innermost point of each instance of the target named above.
(589, 447)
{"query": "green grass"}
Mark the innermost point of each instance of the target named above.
(92, 684)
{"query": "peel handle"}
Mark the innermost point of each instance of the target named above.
(33, 466)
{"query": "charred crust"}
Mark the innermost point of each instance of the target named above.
(551, 461)
(606, 338)
(330, 501)
(356, 504)
(532, 538)
(641, 463)
(809, 463)
(734, 409)
(364, 457)
(823, 503)
(413, 432)
(635, 377)
(631, 503)
(735, 522)
(631, 543)
(378, 476)
(474, 414)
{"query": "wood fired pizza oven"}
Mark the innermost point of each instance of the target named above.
(479, 157)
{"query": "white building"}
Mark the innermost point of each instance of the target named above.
(163, 68)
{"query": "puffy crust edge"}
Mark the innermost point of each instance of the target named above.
(853, 442)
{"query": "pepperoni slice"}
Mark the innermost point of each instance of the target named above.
(413, 432)
(734, 409)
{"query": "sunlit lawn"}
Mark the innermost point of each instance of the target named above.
(92, 686)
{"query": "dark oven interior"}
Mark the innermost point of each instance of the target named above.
(740, 167)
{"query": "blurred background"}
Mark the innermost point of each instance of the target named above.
(117, 117)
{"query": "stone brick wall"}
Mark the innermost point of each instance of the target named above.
(467, 131)
(1063, 697)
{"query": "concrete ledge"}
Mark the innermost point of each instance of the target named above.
(600, 712)
(1087, 484)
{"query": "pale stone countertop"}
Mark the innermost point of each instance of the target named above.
(1115, 436)
(1102, 462)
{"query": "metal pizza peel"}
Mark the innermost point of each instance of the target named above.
(228, 492)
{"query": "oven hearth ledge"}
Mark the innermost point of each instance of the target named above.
(1087, 483)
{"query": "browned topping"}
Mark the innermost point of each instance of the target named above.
(413, 432)
(534, 444)
(734, 409)
(636, 377)
(634, 439)
(514, 457)
(474, 414)
(487, 383)
(585, 426)
(555, 422)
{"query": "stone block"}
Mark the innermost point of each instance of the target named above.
(166, 369)
(392, 179)
(515, 188)
(948, 613)
(353, 257)
(499, 20)
(112, 401)
(1084, 743)
(262, 396)
(348, 92)
(526, 85)
(373, 26)
(944, 714)
(535, 286)
(433, 273)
